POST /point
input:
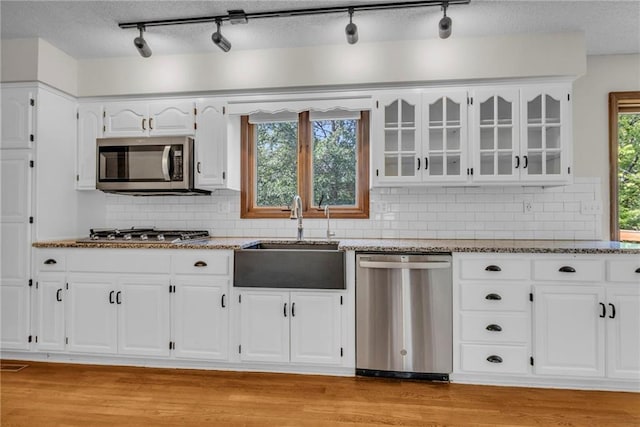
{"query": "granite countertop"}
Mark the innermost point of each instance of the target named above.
(386, 245)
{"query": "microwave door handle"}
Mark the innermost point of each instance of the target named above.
(165, 162)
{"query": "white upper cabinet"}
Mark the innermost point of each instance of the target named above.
(17, 117)
(89, 129)
(210, 144)
(444, 140)
(397, 138)
(495, 135)
(142, 118)
(546, 147)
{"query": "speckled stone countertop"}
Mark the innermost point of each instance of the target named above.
(386, 245)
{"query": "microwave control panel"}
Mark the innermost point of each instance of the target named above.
(177, 163)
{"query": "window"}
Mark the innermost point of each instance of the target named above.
(322, 156)
(624, 165)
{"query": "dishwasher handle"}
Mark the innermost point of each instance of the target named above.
(427, 265)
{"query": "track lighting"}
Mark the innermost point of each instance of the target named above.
(445, 24)
(351, 30)
(141, 44)
(219, 40)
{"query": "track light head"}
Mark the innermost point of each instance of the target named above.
(351, 30)
(141, 44)
(445, 24)
(219, 40)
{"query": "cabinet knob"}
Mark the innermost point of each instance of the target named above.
(493, 297)
(494, 359)
(200, 264)
(494, 328)
(492, 268)
(50, 261)
(567, 269)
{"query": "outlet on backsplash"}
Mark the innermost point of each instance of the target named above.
(590, 208)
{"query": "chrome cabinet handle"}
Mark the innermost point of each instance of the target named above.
(143, 124)
(567, 269)
(494, 328)
(493, 297)
(58, 296)
(492, 268)
(50, 261)
(200, 264)
(494, 359)
(111, 297)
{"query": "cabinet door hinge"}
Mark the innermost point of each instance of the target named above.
(104, 114)
(66, 340)
(569, 170)
(239, 349)
(341, 302)
(78, 116)
(377, 104)
(224, 110)
(31, 163)
(77, 177)
(195, 111)
(341, 352)
(30, 220)
(568, 97)
(377, 172)
(195, 126)
(30, 282)
(530, 296)
(224, 176)
(32, 102)
(36, 339)
(531, 360)
(239, 299)
(32, 138)
(67, 286)
(104, 128)
(37, 284)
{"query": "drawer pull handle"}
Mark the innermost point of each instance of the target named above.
(494, 359)
(493, 297)
(604, 310)
(494, 328)
(638, 270)
(200, 264)
(50, 261)
(567, 269)
(492, 268)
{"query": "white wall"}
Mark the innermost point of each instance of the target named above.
(497, 57)
(605, 73)
(29, 60)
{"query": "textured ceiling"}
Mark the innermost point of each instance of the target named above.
(88, 29)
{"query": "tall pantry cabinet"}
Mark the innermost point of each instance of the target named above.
(38, 196)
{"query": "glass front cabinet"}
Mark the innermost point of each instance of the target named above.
(508, 134)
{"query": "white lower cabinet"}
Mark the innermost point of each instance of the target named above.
(623, 331)
(201, 317)
(50, 299)
(14, 317)
(298, 327)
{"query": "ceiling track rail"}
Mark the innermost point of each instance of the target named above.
(233, 15)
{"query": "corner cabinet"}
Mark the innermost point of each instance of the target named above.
(503, 134)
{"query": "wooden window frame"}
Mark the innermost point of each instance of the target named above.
(248, 209)
(619, 102)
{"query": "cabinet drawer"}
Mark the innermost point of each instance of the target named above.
(506, 359)
(624, 271)
(494, 268)
(210, 262)
(568, 269)
(494, 328)
(50, 261)
(120, 261)
(502, 297)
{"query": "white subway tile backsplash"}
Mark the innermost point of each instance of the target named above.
(488, 212)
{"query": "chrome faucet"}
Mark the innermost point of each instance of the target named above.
(328, 215)
(296, 213)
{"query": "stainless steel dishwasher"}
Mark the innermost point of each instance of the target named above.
(404, 316)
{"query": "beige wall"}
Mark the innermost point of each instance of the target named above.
(497, 57)
(28, 60)
(605, 73)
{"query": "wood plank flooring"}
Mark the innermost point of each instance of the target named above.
(52, 394)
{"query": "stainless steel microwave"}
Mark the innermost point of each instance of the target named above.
(146, 166)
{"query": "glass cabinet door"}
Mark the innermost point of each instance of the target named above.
(445, 136)
(400, 154)
(496, 148)
(544, 111)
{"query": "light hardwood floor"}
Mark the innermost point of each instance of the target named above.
(51, 394)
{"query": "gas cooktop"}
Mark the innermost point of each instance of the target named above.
(143, 235)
